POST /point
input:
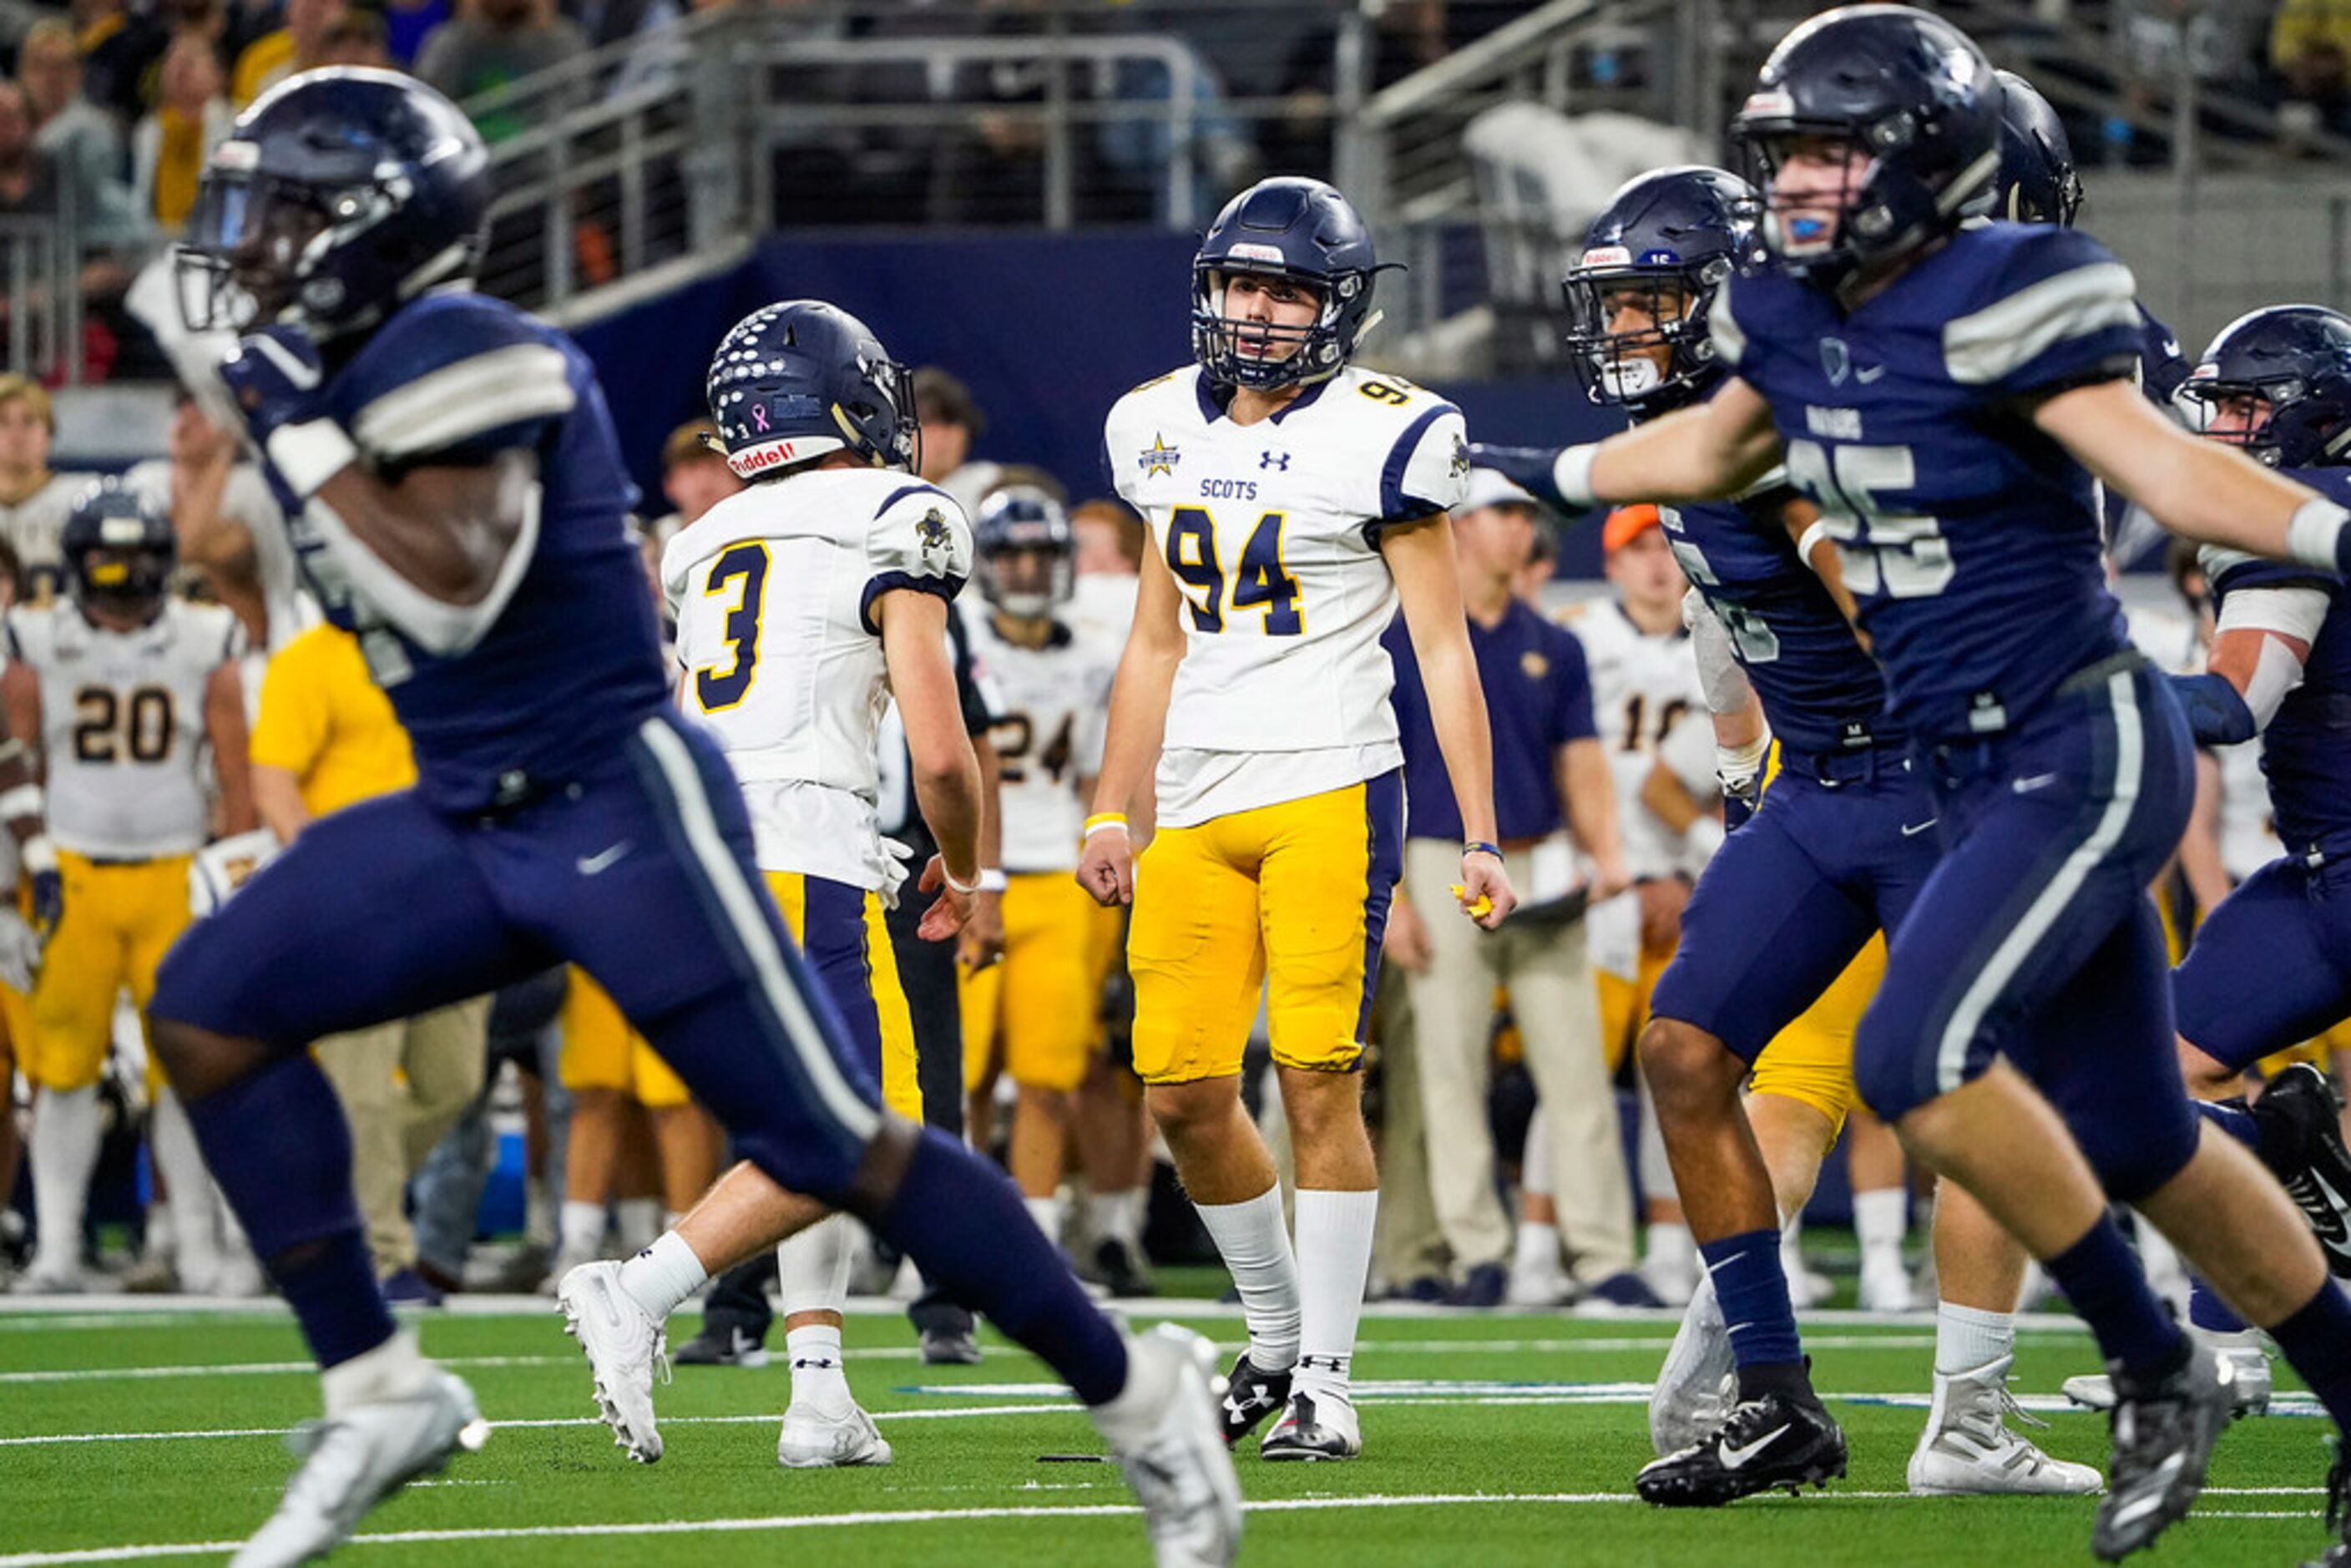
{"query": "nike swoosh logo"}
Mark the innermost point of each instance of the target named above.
(1910, 832)
(303, 376)
(1866, 376)
(1732, 1459)
(589, 865)
(2038, 781)
(2322, 1210)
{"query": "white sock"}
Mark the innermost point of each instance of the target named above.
(1538, 1248)
(819, 1377)
(162, 1240)
(640, 1219)
(1255, 1246)
(1111, 1217)
(1136, 1203)
(1792, 1245)
(64, 1150)
(391, 1369)
(1672, 1253)
(580, 1229)
(812, 1269)
(1970, 1337)
(1880, 1220)
(1134, 1413)
(196, 1244)
(663, 1274)
(1334, 1257)
(1047, 1213)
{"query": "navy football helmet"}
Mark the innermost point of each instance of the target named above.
(2298, 359)
(1293, 228)
(1023, 519)
(2037, 182)
(798, 379)
(1661, 248)
(340, 195)
(118, 546)
(1905, 87)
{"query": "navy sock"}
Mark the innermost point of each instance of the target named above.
(961, 1219)
(1753, 1291)
(2208, 1311)
(2316, 1342)
(2231, 1117)
(279, 1145)
(2102, 1278)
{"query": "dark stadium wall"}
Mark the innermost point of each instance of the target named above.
(1046, 333)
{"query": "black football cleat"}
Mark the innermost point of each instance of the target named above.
(1119, 1270)
(1250, 1396)
(2164, 1430)
(1766, 1442)
(2300, 1116)
(2338, 1511)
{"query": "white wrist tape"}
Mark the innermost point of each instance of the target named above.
(1572, 472)
(306, 456)
(37, 854)
(2313, 536)
(1737, 763)
(1811, 536)
(966, 888)
(992, 879)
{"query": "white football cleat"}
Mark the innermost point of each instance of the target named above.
(2250, 1385)
(352, 1464)
(625, 1344)
(1181, 1471)
(813, 1440)
(1700, 1381)
(1885, 1285)
(1966, 1448)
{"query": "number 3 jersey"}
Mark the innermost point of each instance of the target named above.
(773, 590)
(122, 724)
(1050, 706)
(1969, 540)
(1272, 530)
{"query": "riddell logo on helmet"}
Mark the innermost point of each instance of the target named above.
(1772, 102)
(762, 458)
(1250, 251)
(1608, 256)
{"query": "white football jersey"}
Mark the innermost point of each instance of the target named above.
(32, 528)
(772, 590)
(122, 724)
(1644, 690)
(1273, 532)
(1103, 607)
(247, 501)
(1052, 704)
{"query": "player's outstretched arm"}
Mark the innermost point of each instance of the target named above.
(2258, 653)
(2201, 490)
(224, 728)
(1428, 580)
(1138, 721)
(945, 771)
(1714, 450)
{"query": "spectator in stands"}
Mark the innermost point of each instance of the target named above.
(83, 138)
(326, 738)
(490, 43)
(171, 146)
(230, 529)
(951, 421)
(1549, 773)
(360, 39)
(119, 49)
(299, 45)
(407, 24)
(34, 501)
(2309, 49)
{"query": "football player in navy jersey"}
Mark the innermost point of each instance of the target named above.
(1944, 393)
(1838, 848)
(460, 492)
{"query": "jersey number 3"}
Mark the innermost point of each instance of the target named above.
(741, 572)
(1259, 583)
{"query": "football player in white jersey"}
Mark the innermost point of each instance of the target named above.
(803, 602)
(135, 700)
(1035, 1015)
(1293, 501)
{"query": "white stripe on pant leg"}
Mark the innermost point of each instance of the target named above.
(2130, 759)
(741, 904)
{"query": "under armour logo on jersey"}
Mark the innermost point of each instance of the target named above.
(1836, 360)
(1280, 460)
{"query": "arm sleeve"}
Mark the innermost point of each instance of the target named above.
(918, 539)
(1718, 674)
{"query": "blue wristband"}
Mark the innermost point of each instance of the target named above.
(1481, 847)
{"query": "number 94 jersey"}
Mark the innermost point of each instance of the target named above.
(1970, 541)
(1273, 532)
(122, 724)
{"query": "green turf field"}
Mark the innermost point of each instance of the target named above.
(1493, 1438)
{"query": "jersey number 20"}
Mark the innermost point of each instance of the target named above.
(1258, 583)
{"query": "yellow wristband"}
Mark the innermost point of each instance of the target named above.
(1102, 820)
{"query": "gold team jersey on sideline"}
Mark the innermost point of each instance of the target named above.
(324, 720)
(1271, 530)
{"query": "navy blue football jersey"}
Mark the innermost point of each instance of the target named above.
(2306, 749)
(573, 663)
(1970, 540)
(2162, 368)
(1821, 692)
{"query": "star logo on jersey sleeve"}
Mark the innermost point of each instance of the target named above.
(1159, 457)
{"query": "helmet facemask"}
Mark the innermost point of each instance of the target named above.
(1234, 352)
(1637, 364)
(1041, 576)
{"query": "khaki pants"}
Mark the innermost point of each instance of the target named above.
(1406, 1244)
(395, 1124)
(1553, 997)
